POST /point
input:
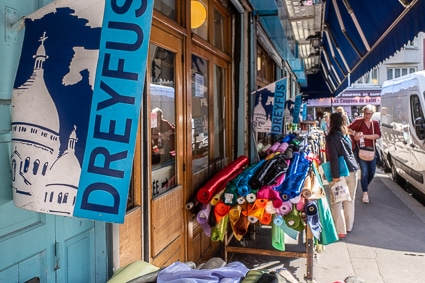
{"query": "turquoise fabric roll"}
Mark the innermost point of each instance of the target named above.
(278, 238)
(329, 234)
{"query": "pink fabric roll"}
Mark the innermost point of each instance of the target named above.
(282, 147)
(285, 208)
(273, 147)
(265, 192)
(300, 205)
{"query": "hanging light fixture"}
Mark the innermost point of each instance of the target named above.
(198, 14)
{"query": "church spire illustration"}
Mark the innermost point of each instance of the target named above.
(42, 179)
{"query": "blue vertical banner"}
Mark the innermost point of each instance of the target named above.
(268, 113)
(297, 109)
(75, 107)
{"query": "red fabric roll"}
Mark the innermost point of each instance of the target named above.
(220, 180)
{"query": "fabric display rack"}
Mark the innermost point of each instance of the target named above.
(283, 191)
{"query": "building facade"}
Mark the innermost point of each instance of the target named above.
(205, 59)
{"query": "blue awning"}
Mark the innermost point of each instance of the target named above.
(358, 35)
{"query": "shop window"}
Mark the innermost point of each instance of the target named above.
(166, 7)
(219, 90)
(266, 68)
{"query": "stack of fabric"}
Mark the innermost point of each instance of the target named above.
(283, 190)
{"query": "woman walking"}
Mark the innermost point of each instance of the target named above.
(365, 130)
(338, 143)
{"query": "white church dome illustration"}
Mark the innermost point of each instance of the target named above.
(41, 179)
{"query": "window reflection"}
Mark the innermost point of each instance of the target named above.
(162, 118)
(167, 7)
(200, 140)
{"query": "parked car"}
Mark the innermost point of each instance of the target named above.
(403, 128)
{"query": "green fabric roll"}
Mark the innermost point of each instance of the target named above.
(278, 238)
(252, 276)
(218, 231)
(329, 234)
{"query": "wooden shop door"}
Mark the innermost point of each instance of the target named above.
(165, 147)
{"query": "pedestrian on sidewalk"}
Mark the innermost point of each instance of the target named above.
(338, 143)
(365, 130)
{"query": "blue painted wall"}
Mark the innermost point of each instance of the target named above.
(52, 248)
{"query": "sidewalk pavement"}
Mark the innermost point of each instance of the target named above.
(387, 244)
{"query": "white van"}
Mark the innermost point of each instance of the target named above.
(403, 128)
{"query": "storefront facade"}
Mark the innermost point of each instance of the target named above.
(194, 120)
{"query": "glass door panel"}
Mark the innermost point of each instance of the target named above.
(162, 117)
(200, 113)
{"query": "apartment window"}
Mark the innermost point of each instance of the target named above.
(369, 78)
(393, 73)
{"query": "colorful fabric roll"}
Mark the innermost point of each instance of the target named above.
(230, 195)
(282, 147)
(278, 220)
(313, 220)
(218, 231)
(306, 190)
(295, 175)
(270, 208)
(220, 180)
(202, 218)
(267, 193)
(243, 180)
(285, 208)
(266, 219)
(220, 210)
(234, 215)
(288, 230)
(329, 234)
(301, 204)
(216, 198)
(241, 200)
(251, 198)
(294, 220)
(278, 238)
(241, 226)
(252, 276)
(273, 148)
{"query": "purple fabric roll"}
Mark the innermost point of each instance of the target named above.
(282, 147)
(273, 147)
(202, 218)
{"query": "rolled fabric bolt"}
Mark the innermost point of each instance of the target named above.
(220, 210)
(278, 219)
(260, 146)
(285, 208)
(193, 206)
(250, 198)
(313, 219)
(202, 218)
(218, 231)
(243, 187)
(234, 215)
(273, 147)
(284, 197)
(270, 207)
(219, 180)
(260, 203)
(265, 148)
(329, 234)
(267, 192)
(306, 190)
(230, 195)
(282, 147)
(266, 219)
(241, 200)
(241, 226)
(295, 199)
(278, 240)
(252, 219)
(300, 205)
(216, 198)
